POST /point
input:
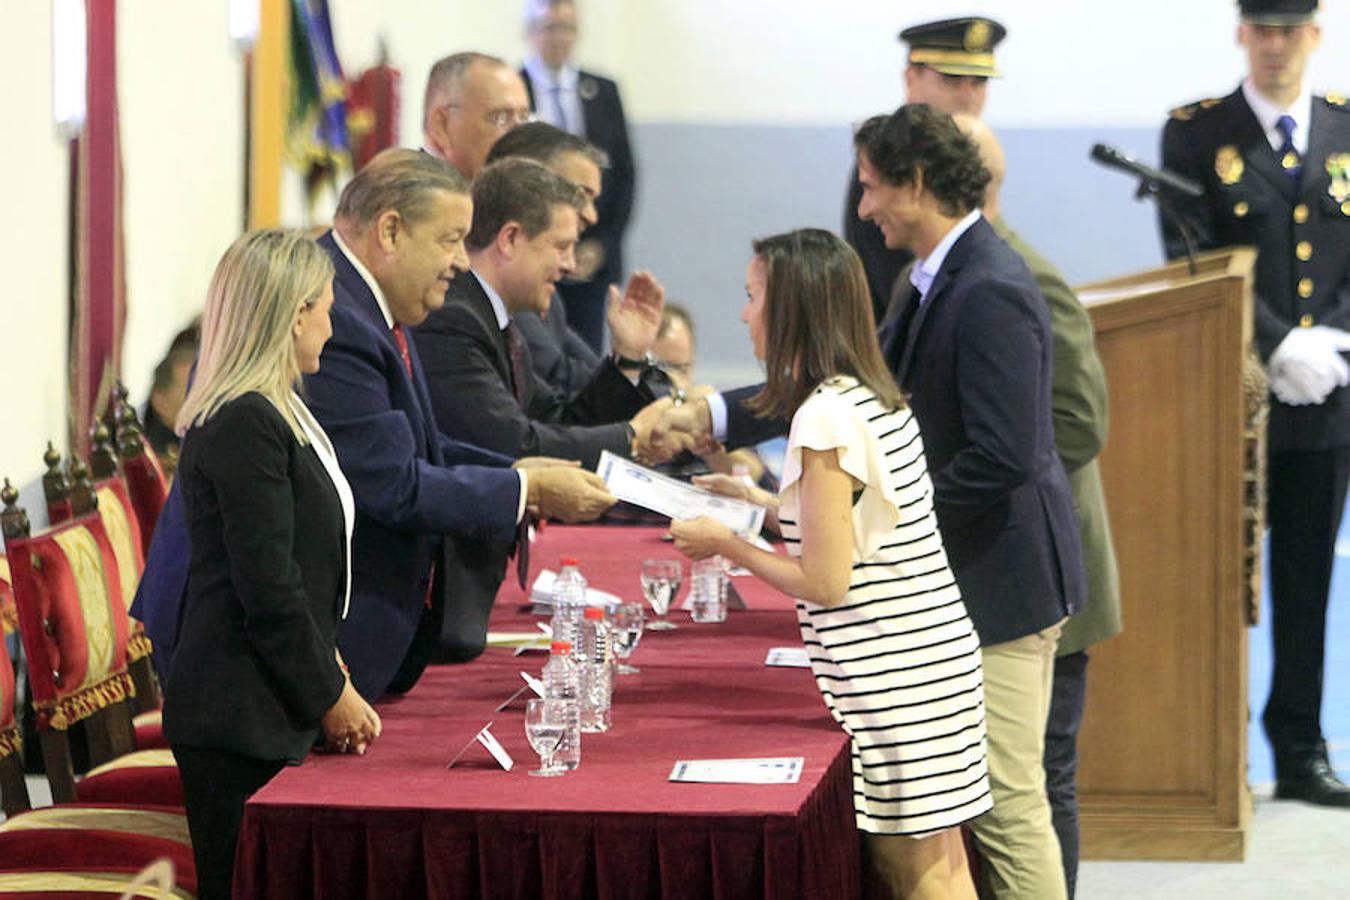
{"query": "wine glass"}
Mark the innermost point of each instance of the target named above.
(628, 620)
(545, 724)
(660, 585)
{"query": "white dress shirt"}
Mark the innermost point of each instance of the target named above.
(1267, 113)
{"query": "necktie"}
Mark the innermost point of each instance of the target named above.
(401, 339)
(1289, 158)
(516, 356)
(558, 110)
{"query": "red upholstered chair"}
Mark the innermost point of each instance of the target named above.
(92, 850)
(9, 616)
(72, 493)
(13, 790)
(74, 628)
(147, 485)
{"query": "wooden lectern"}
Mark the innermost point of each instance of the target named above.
(1163, 762)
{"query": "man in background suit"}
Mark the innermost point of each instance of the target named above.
(483, 386)
(397, 243)
(1275, 164)
(587, 105)
(471, 100)
(950, 64)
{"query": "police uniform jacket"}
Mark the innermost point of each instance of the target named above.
(1301, 229)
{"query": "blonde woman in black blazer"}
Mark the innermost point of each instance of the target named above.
(256, 679)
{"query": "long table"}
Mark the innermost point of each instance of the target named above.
(398, 823)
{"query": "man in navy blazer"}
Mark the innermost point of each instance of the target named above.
(587, 105)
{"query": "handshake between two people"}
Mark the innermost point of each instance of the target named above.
(561, 489)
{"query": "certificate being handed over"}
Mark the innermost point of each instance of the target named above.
(668, 496)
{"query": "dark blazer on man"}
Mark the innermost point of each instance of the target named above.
(1302, 274)
(468, 370)
(975, 359)
(257, 669)
(412, 484)
(558, 353)
(604, 126)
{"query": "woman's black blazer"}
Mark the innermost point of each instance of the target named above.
(254, 670)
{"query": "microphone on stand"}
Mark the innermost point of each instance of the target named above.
(1151, 184)
(1110, 156)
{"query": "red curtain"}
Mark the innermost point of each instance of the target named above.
(98, 276)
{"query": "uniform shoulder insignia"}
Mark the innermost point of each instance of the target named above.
(1191, 110)
(1336, 100)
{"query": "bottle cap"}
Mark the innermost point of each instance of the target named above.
(594, 612)
(568, 561)
(562, 648)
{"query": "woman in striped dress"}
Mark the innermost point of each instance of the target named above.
(893, 652)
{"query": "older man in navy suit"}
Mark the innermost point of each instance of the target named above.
(397, 242)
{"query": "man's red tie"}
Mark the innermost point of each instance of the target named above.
(402, 340)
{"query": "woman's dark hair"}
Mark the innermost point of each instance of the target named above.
(918, 138)
(818, 321)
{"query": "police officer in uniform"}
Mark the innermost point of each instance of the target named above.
(1275, 164)
(950, 64)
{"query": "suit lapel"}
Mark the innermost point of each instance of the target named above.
(1321, 144)
(956, 258)
(368, 308)
(481, 306)
(1255, 147)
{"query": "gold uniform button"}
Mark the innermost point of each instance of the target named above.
(1306, 321)
(1241, 208)
(1345, 208)
(1305, 288)
(1290, 160)
(1301, 213)
(1303, 251)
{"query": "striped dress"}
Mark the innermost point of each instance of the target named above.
(898, 662)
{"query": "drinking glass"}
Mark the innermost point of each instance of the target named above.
(545, 724)
(708, 590)
(627, 632)
(660, 585)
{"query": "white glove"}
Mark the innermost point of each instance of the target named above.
(1307, 365)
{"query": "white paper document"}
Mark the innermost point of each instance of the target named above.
(795, 657)
(778, 770)
(541, 593)
(674, 498)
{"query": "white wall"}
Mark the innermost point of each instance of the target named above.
(33, 317)
(696, 62)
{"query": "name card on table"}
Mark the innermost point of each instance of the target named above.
(531, 684)
(492, 745)
(773, 770)
(794, 657)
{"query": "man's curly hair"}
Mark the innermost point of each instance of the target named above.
(917, 137)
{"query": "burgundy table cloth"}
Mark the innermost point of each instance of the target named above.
(398, 823)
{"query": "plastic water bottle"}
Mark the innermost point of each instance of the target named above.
(569, 600)
(561, 683)
(597, 671)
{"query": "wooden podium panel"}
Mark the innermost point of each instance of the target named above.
(1162, 771)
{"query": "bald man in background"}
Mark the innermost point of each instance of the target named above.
(471, 100)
